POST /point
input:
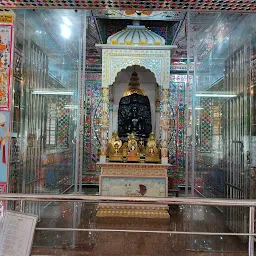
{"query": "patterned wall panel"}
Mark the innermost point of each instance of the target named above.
(63, 121)
(93, 105)
(206, 124)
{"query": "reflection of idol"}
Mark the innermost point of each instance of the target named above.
(3, 139)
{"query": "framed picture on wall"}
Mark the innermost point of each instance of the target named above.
(2, 203)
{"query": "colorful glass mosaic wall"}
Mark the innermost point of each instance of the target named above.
(176, 143)
(93, 105)
(177, 99)
(63, 121)
(206, 125)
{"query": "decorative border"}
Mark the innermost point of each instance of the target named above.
(156, 5)
(134, 171)
(131, 210)
(6, 64)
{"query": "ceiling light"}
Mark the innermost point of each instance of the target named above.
(65, 31)
(67, 21)
(45, 92)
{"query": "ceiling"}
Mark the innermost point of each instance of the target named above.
(140, 5)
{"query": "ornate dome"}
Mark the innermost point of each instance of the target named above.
(136, 35)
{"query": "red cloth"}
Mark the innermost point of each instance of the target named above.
(3, 153)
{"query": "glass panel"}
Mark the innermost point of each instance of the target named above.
(45, 106)
(224, 134)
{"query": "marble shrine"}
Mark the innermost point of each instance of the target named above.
(134, 155)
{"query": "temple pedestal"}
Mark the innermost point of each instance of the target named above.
(133, 179)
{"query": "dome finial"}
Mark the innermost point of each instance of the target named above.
(134, 85)
(136, 23)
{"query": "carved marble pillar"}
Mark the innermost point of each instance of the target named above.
(157, 109)
(104, 124)
(165, 126)
(111, 119)
(157, 122)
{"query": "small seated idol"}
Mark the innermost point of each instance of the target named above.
(142, 149)
(152, 154)
(115, 149)
(133, 152)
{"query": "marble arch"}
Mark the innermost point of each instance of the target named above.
(156, 59)
(147, 69)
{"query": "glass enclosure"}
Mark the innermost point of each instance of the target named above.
(62, 117)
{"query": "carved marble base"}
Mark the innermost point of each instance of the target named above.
(133, 179)
(133, 210)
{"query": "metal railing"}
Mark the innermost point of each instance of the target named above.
(251, 204)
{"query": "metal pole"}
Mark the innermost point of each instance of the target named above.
(193, 125)
(187, 103)
(74, 225)
(79, 127)
(22, 206)
(130, 199)
(142, 231)
(82, 112)
(251, 231)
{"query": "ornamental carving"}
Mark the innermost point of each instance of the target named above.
(157, 61)
(139, 172)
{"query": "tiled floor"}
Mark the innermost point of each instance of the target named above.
(134, 244)
(180, 253)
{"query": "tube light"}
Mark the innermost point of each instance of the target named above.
(71, 106)
(197, 108)
(215, 95)
(45, 92)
